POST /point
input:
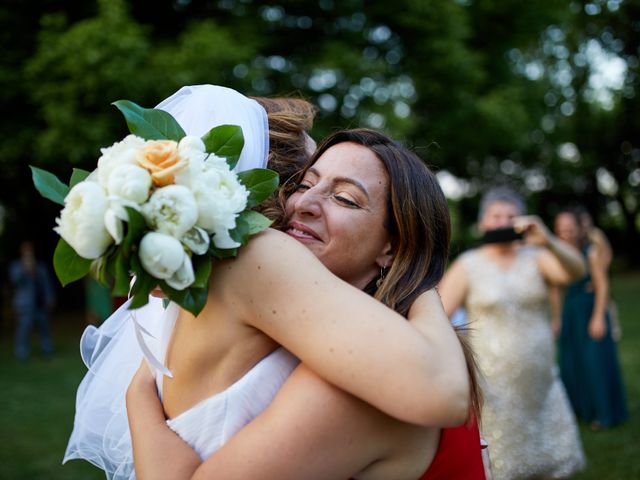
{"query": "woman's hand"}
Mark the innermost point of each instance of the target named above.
(142, 381)
(158, 452)
(564, 265)
(597, 328)
(534, 230)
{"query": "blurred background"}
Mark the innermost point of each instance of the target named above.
(543, 96)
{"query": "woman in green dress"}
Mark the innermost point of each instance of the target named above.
(588, 360)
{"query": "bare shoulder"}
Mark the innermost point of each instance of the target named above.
(272, 266)
(272, 247)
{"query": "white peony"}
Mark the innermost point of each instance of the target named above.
(171, 210)
(81, 221)
(220, 197)
(129, 182)
(183, 277)
(161, 255)
(222, 239)
(120, 153)
(116, 214)
(114, 225)
(197, 240)
(192, 147)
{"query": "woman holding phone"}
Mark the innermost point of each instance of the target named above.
(503, 285)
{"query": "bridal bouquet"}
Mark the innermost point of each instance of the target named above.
(159, 206)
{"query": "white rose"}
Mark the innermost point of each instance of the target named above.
(129, 182)
(123, 152)
(81, 221)
(161, 255)
(171, 210)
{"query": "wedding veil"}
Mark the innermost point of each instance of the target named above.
(199, 108)
(111, 353)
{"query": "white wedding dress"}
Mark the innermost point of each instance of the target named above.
(112, 355)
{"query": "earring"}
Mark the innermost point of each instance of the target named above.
(383, 272)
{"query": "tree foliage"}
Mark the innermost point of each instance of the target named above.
(488, 91)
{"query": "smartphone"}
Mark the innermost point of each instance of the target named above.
(501, 235)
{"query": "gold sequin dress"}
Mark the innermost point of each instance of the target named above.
(526, 419)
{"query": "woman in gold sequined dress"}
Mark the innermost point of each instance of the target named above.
(526, 420)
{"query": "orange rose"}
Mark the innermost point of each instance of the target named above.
(162, 159)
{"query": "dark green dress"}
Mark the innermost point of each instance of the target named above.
(589, 369)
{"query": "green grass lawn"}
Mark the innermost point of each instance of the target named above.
(37, 404)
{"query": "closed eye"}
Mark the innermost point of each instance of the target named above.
(301, 187)
(346, 201)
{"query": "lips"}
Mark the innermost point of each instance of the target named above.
(301, 232)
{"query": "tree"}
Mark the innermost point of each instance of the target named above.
(488, 91)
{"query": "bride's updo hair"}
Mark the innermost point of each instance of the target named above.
(290, 146)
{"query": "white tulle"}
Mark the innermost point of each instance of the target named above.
(112, 353)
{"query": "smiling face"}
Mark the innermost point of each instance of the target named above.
(338, 211)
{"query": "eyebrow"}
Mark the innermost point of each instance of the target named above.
(348, 180)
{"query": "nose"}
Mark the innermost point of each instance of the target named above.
(307, 202)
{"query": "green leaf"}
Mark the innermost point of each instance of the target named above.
(49, 185)
(202, 266)
(68, 265)
(257, 222)
(241, 232)
(121, 275)
(149, 123)
(78, 175)
(225, 141)
(142, 285)
(144, 281)
(191, 299)
(140, 299)
(260, 182)
(223, 253)
(136, 226)
(249, 223)
(99, 271)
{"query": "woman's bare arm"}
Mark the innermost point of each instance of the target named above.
(597, 323)
(312, 430)
(346, 336)
(453, 287)
(555, 302)
(158, 452)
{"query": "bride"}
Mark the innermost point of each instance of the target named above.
(275, 293)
